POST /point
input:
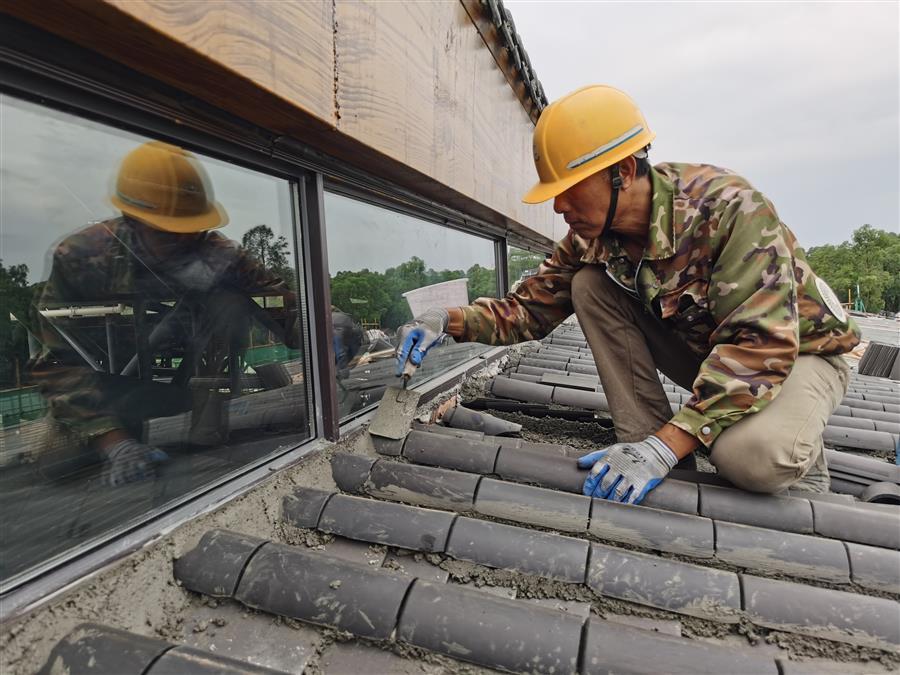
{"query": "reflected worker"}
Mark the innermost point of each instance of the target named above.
(188, 290)
(682, 268)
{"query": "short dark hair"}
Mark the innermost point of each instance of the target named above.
(643, 163)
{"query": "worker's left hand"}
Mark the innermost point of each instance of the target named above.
(626, 472)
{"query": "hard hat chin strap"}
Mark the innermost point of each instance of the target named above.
(616, 182)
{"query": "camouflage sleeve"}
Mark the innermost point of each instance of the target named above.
(752, 297)
(72, 389)
(535, 308)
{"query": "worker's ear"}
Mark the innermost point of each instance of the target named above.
(627, 170)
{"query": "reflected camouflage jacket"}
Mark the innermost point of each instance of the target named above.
(719, 269)
(106, 264)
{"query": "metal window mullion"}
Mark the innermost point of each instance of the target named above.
(315, 247)
(502, 266)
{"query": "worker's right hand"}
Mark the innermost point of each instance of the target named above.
(128, 461)
(420, 335)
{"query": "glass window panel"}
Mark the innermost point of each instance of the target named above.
(384, 265)
(151, 340)
(521, 264)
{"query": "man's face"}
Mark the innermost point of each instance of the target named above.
(584, 205)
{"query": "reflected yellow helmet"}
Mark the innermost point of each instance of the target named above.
(582, 133)
(167, 188)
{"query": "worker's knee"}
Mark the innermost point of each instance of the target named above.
(755, 464)
(592, 289)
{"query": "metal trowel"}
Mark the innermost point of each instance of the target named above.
(397, 409)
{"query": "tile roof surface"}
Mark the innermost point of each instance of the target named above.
(481, 549)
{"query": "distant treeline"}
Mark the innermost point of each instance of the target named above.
(871, 258)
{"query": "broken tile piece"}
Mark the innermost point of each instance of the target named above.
(214, 565)
(350, 471)
(303, 506)
(387, 523)
(518, 548)
(666, 584)
(300, 584)
(489, 631)
(537, 506)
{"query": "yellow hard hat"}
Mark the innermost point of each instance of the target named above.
(167, 188)
(582, 133)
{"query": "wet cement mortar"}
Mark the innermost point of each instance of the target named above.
(107, 596)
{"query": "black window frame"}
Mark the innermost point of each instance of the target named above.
(38, 67)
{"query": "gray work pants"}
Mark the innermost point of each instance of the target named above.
(764, 452)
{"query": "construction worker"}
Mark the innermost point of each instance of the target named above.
(684, 268)
(186, 293)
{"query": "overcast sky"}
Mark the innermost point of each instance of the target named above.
(803, 99)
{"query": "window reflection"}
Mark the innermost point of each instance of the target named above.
(385, 266)
(521, 264)
(160, 349)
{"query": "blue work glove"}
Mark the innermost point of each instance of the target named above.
(626, 472)
(420, 335)
(129, 461)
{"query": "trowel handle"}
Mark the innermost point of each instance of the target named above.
(408, 369)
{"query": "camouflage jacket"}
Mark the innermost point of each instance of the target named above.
(106, 264)
(720, 270)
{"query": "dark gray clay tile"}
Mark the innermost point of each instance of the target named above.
(534, 505)
(546, 448)
(652, 528)
(736, 506)
(540, 467)
(858, 438)
(351, 550)
(530, 370)
(822, 612)
(864, 526)
(452, 453)
(386, 523)
(613, 648)
(91, 648)
(389, 447)
(423, 485)
(522, 377)
(557, 379)
(303, 506)
(582, 369)
(589, 400)
(191, 661)
(521, 391)
(674, 495)
(461, 417)
(667, 584)
(873, 567)
(518, 548)
(448, 431)
(323, 590)
(215, 565)
(350, 471)
(490, 631)
(772, 551)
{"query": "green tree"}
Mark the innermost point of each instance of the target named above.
(273, 253)
(16, 296)
(519, 261)
(482, 282)
(871, 259)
